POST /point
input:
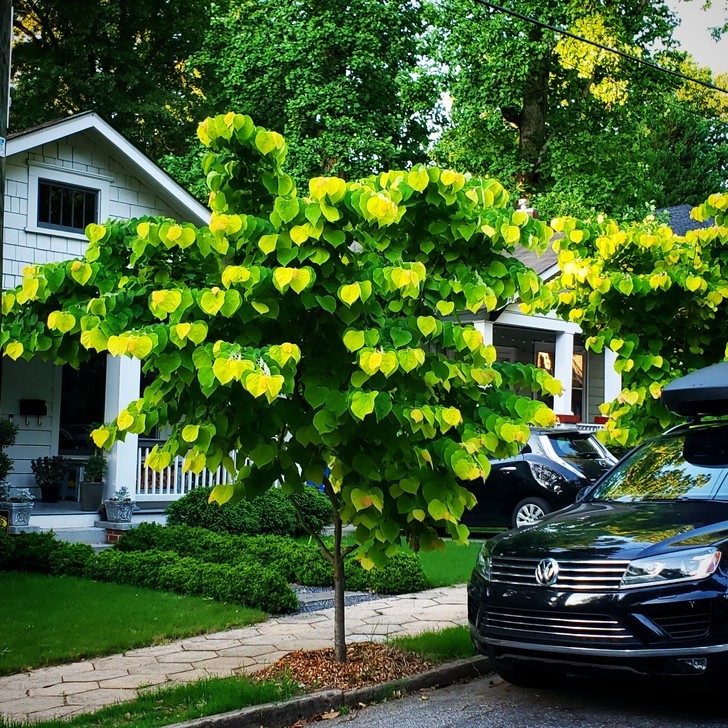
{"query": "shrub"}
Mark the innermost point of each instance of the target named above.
(70, 559)
(270, 513)
(401, 575)
(7, 551)
(32, 551)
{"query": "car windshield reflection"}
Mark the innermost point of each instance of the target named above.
(677, 468)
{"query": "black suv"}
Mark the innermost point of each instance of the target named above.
(546, 475)
(634, 576)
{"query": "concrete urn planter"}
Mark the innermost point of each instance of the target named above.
(119, 511)
(16, 514)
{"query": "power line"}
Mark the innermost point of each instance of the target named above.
(596, 44)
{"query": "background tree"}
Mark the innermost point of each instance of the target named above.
(575, 127)
(343, 81)
(305, 333)
(658, 300)
(124, 59)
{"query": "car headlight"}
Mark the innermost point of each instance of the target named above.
(548, 477)
(484, 561)
(687, 565)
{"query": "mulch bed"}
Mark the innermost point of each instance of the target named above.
(368, 663)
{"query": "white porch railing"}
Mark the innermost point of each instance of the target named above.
(172, 482)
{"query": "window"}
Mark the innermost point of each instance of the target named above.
(66, 207)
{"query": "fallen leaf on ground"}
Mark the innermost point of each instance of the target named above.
(368, 663)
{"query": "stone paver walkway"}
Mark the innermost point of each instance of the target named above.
(83, 687)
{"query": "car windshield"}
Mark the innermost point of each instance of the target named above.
(685, 466)
(575, 446)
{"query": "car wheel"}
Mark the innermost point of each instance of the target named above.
(530, 511)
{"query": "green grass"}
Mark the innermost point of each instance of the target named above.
(444, 645)
(176, 704)
(210, 697)
(48, 620)
(451, 566)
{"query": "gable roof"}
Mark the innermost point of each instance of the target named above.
(147, 171)
(680, 220)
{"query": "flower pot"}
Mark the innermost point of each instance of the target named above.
(16, 514)
(91, 495)
(50, 493)
(119, 511)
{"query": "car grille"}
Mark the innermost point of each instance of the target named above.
(689, 624)
(571, 627)
(588, 575)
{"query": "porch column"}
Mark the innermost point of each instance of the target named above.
(612, 379)
(123, 376)
(485, 328)
(563, 371)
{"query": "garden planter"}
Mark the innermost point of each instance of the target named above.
(119, 511)
(17, 514)
(50, 493)
(91, 495)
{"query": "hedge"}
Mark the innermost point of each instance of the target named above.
(299, 563)
(270, 513)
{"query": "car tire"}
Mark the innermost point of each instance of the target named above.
(529, 511)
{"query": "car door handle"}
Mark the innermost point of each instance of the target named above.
(510, 469)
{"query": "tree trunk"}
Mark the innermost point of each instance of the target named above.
(339, 586)
(532, 125)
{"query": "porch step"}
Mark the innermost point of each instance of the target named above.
(89, 535)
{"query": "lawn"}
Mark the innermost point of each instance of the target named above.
(219, 695)
(49, 620)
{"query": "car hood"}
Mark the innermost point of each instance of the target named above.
(619, 530)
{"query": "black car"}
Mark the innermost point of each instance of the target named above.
(632, 578)
(546, 475)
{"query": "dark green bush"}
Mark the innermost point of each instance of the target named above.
(70, 559)
(32, 551)
(252, 585)
(7, 551)
(270, 513)
(401, 575)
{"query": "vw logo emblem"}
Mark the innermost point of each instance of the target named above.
(547, 572)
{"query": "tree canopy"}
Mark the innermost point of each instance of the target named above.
(659, 300)
(124, 60)
(574, 127)
(318, 335)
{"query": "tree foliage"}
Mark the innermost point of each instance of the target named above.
(318, 336)
(659, 300)
(124, 60)
(576, 128)
(342, 81)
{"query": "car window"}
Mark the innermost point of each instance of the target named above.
(660, 470)
(575, 446)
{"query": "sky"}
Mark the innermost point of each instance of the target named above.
(694, 36)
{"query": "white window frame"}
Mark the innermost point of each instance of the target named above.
(74, 178)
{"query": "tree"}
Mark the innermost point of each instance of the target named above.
(304, 333)
(124, 59)
(342, 81)
(570, 125)
(660, 301)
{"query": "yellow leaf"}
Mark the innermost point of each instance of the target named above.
(350, 293)
(190, 432)
(182, 330)
(117, 345)
(14, 349)
(140, 346)
(426, 324)
(282, 277)
(267, 243)
(125, 420)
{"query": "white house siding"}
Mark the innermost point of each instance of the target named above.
(37, 436)
(595, 385)
(88, 160)
(91, 162)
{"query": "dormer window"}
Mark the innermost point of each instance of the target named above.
(66, 207)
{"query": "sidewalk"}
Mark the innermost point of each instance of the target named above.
(82, 687)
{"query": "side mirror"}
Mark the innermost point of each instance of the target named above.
(583, 492)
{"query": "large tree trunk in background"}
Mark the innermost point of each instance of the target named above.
(532, 125)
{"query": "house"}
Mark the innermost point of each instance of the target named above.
(65, 174)
(60, 176)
